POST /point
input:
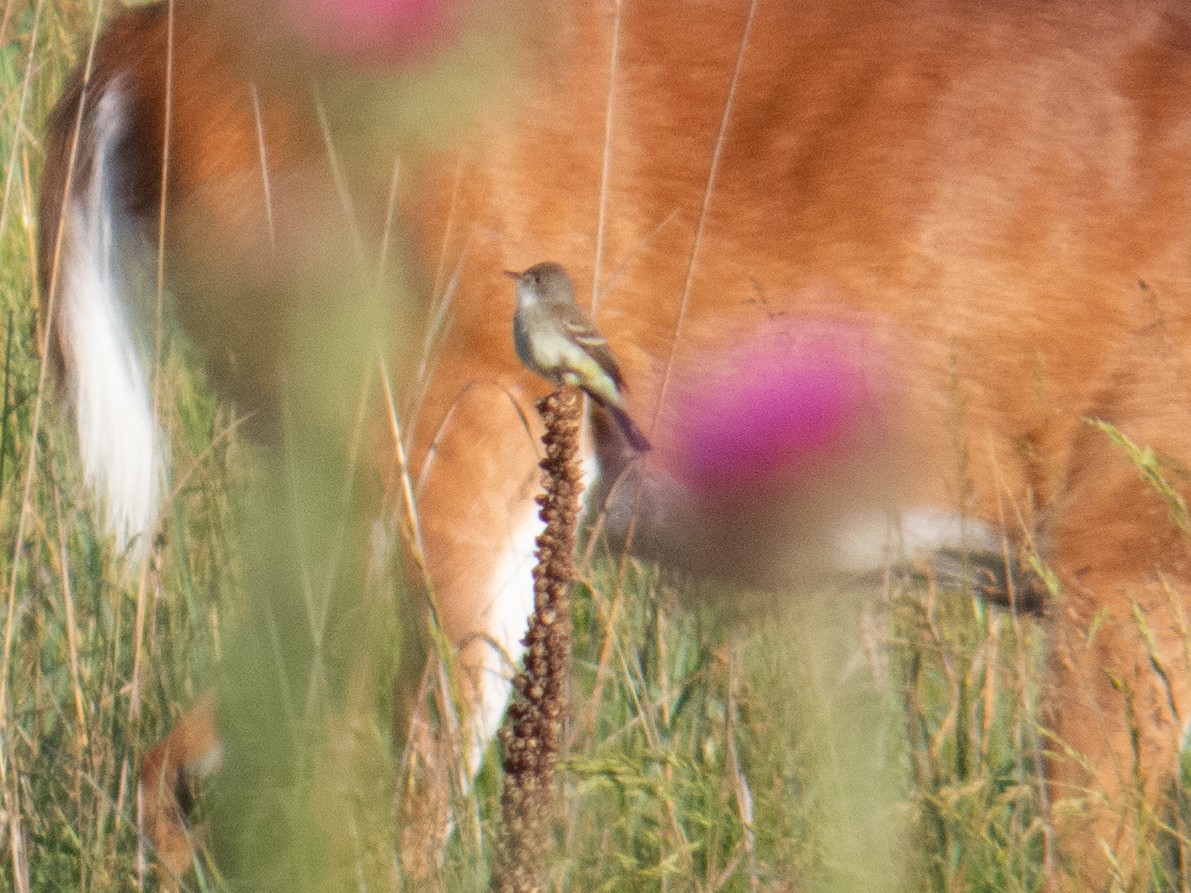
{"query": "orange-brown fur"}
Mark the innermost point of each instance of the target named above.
(999, 191)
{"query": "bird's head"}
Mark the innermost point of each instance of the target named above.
(544, 283)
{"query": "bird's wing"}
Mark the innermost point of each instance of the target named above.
(581, 329)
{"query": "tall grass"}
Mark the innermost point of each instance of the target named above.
(882, 738)
(94, 666)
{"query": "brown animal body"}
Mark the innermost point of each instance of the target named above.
(986, 207)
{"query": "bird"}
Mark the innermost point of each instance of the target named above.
(555, 338)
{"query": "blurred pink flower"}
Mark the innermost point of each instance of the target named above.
(373, 33)
(778, 406)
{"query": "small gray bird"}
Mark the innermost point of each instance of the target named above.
(555, 338)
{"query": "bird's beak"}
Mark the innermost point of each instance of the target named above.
(511, 274)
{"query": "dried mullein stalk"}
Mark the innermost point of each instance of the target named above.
(532, 730)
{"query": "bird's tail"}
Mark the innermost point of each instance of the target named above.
(628, 427)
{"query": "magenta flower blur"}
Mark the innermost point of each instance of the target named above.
(779, 406)
(375, 33)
